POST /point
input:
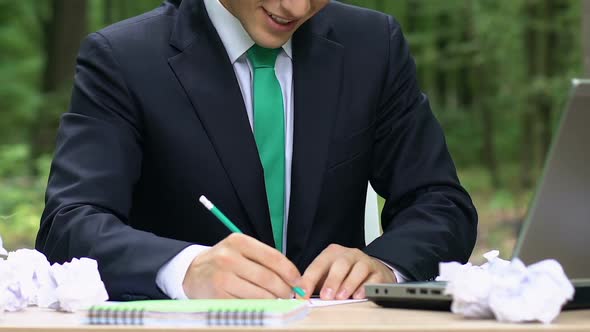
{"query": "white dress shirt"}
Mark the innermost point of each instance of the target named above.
(236, 42)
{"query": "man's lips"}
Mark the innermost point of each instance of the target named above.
(279, 19)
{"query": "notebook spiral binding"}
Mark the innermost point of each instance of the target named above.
(105, 316)
(235, 317)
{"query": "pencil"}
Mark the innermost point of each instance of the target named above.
(230, 225)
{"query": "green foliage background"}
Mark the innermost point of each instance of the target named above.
(497, 73)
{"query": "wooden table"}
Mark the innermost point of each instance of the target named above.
(349, 317)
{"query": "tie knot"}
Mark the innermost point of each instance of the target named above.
(261, 57)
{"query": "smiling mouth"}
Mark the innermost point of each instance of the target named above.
(278, 19)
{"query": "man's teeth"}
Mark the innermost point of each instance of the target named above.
(280, 20)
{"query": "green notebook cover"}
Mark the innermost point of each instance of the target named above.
(198, 312)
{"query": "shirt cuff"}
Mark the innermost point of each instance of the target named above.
(171, 275)
(398, 276)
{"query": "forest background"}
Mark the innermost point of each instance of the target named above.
(497, 73)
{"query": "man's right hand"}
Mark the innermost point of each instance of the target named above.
(241, 267)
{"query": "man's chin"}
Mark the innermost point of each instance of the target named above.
(270, 40)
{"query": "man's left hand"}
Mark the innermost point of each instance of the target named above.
(340, 272)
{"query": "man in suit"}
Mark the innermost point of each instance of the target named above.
(280, 112)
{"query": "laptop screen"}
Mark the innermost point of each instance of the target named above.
(558, 221)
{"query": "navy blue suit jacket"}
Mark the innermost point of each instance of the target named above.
(157, 119)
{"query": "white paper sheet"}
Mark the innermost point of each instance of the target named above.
(315, 303)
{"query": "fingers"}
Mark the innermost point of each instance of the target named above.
(233, 287)
(318, 270)
(355, 280)
(263, 278)
(240, 288)
(266, 256)
(240, 267)
(344, 271)
(338, 271)
(359, 293)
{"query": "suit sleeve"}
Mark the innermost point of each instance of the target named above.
(428, 217)
(89, 195)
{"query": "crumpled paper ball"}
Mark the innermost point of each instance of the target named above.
(3, 272)
(26, 279)
(31, 271)
(507, 290)
(24, 272)
(78, 284)
(6, 280)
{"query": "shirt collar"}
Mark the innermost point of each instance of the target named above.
(233, 36)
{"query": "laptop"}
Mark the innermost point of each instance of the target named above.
(557, 224)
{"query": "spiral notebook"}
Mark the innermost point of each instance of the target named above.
(208, 312)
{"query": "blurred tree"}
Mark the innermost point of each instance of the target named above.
(474, 91)
(496, 72)
(20, 62)
(544, 46)
(109, 15)
(116, 10)
(63, 32)
(586, 36)
(38, 43)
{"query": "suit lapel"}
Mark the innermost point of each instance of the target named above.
(317, 69)
(206, 74)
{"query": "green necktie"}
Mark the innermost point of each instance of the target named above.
(269, 132)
